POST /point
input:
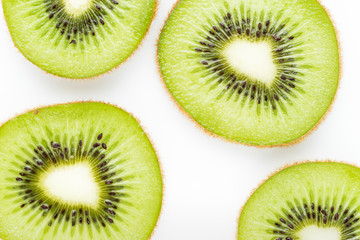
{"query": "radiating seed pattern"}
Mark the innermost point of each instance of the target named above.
(57, 155)
(252, 28)
(75, 30)
(294, 219)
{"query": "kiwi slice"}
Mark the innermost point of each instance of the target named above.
(309, 201)
(256, 72)
(77, 171)
(78, 38)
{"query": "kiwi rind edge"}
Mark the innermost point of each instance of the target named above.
(206, 131)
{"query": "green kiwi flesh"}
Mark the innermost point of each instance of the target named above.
(287, 87)
(309, 201)
(78, 38)
(116, 152)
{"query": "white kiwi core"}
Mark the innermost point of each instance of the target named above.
(314, 232)
(73, 184)
(77, 7)
(253, 59)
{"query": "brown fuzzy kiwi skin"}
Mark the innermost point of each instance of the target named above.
(36, 111)
(155, 9)
(279, 170)
(289, 144)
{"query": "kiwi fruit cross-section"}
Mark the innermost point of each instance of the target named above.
(77, 171)
(78, 38)
(257, 72)
(309, 201)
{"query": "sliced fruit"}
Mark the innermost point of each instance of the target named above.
(77, 171)
(310, 201)
(78, 38)
(252, 71)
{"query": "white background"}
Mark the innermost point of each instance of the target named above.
(206, 179)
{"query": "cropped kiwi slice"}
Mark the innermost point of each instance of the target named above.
(310, 201)
(77, 171)
(78, 38)
(253, 71)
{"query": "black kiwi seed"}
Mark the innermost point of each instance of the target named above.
(100, 136)
(55, 155)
